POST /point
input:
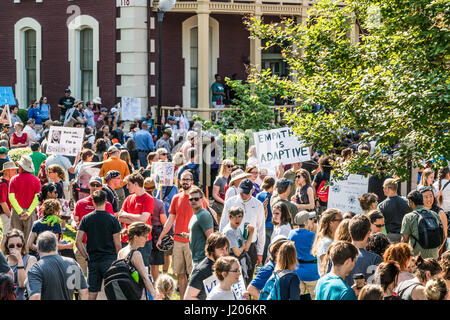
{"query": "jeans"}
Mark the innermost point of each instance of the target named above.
(142, 155)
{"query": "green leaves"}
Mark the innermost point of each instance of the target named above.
(393, 84)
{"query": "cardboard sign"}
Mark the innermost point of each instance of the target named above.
(343, 195)
(163, 173)
(130, 108)
(65, 140)
(279, 146)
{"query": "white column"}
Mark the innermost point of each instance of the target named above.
(203, 58)
(132, 46)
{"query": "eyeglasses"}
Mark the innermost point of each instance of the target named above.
(12, 245)
(230, 166)
(379, 225)
(194, 199)
(186, 179)
(164, 154)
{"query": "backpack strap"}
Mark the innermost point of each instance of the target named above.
(445, 185)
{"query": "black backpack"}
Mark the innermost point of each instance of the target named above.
(431, 231)
(119, 282)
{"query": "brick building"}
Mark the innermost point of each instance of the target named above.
(107, 49)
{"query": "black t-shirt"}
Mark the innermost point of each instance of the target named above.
(202, 272)
(318, 178)
(393, 210)
(60, 189)
(119, 134)
(77, 114)
(67, 102)
(99, 227)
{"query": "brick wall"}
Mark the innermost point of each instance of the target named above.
(52, 15)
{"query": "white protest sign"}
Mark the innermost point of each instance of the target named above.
(237, 288)
(163, 173)
(343, 195)
(130, 108)
(65, 140)
(279, 146)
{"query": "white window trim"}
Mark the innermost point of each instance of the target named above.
(74, 28)
(187, 25)
(20, 27)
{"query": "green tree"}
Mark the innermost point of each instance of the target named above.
(392, 84)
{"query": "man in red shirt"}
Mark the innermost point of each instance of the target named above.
(137, 207)
(23, 195)
(180, 212)
(82, 208)
(9, 171)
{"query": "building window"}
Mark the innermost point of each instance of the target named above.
(194, 67)
(86, 64)
(30, 65)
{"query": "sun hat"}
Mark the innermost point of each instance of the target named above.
(238, 174)
(26, 163)
(97, 100)
(9, 165)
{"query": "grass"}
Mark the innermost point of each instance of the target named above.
(69, 235)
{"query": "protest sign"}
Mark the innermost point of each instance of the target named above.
(237, 288)
(343, 195)
(85, 172)
(65, 141)
(163, 173)
(279, 146)
(130, 108)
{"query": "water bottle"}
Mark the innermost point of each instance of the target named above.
(245, 233)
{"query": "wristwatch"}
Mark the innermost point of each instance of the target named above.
(20, 267)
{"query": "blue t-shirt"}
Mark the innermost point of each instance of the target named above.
(304, 240)
(45, 111)
(263, 275)
(262, 196)
(39, 227)
(331, 287)
(34, 113)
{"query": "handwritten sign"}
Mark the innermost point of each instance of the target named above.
(279, 146)
(238, 288)
(65, 141)
(85, 172)
(163, 173)
(130, 108)
(343, 195)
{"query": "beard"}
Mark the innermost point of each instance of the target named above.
(185, 186)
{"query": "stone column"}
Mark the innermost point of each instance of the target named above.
(132, 47)
(203, 59)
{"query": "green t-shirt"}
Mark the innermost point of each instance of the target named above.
(199, 223)
(217, 87)
(410, 227)
(37, 158)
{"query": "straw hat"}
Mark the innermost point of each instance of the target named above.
(238, 174)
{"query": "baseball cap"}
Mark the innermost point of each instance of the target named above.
(3, 150)
(113, 149)
(245, 186)
(103, 109)
(95, 179)
(67, 90)
(171, 118)
(283, 183)
(168, 132)
(111, 174)
(113, 110)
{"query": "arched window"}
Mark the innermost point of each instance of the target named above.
(28, 55)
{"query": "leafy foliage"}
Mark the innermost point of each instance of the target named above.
(392, 85)
(16, 154)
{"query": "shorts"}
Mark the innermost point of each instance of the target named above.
(146, 252)
(96, 272)
(156, 257)
(308, 286)
(182, 258)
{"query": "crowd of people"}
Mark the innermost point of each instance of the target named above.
(256, 234)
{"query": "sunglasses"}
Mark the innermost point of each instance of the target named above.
(95, 185)
(298, 177)
(150, 189)
(12, 245)
(194, 199)
(164, 154)
(379, 225)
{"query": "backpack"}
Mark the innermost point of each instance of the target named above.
(120, 283)
(271, 290)
(322, 191)
(430, 229)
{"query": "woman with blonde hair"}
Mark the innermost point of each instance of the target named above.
(220, 185)
(436, 289)
(165, 286)
(304, 194)
(342, 231)
(125, 156)
(138, 235)
(329, 222)
(426, 179)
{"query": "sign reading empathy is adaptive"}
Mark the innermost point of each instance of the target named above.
(65, 140)
(343, 194)
(279, 146)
